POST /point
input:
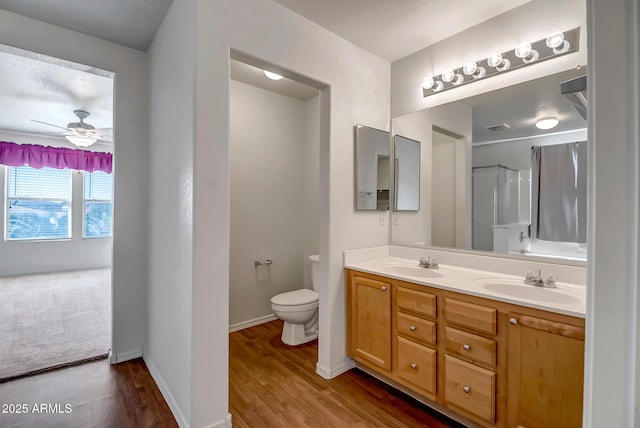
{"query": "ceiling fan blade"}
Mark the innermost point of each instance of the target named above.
(50, 124)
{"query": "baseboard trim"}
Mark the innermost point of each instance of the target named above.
(222, 424)
(125, 356)
(166, 393)
(345, 366)
(251, 323)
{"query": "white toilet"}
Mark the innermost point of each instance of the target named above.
(299, 310)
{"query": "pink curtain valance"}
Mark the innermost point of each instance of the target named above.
(35, 156)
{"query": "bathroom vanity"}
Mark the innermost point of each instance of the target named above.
(480, 345)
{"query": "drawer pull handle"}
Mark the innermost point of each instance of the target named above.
(414, 366)
(412, 328)
(466, 389)
(513, 321)
(383, 288)
(466, 347)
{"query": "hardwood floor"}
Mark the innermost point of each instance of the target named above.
(100, 395)
(273, 385)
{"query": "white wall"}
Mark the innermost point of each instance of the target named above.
(415, 227)
(612, 363)
(130, 166)
(532, 21)
(311, 180)
(516, 154)
(443, 176)
(29, 257)
(267, 149)
(168, 350)
(358, 92)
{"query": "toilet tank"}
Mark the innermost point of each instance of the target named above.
(315, 262)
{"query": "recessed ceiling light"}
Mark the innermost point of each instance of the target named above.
(272, 76)
(547, 123)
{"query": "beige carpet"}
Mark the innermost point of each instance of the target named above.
(53, 320)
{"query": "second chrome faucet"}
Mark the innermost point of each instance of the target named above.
(531, 279)
(428, 263)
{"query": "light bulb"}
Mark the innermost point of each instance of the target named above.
(547, 123)
(523, 50)
(504, 66)
(557, 43)
(469, 68)
(458, 80)
(439, 86)
(448, 76)
(272, 76)
(480, 73)
(428, 83)
(555, 40)
(494, 60)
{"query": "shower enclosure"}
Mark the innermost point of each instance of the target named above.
(495, 202)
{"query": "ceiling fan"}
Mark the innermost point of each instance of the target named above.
(81, 133)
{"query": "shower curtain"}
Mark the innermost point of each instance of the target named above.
(559, 192)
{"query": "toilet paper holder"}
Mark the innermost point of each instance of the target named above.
(259, 263)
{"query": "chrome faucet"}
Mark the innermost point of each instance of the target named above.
(531, 279)
(428, 263)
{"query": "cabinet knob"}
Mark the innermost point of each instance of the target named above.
(466, 347)
(466, 389)
(414, 366)
(412, 328)
(383, 288)
(513, 321)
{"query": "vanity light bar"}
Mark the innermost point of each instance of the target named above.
(553, 46)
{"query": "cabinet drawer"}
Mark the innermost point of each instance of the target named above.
(470, 388)
(417, 364)
(476, 317)
(470, 346)
(415, 328)
(418, 302)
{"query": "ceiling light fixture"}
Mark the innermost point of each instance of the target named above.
(81, 140)
(272, 76)
(522, 55)
(547, 122)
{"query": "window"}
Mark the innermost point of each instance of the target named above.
(98, 188)
(39, 202)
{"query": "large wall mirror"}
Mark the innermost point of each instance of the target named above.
(492, 180)
(372, 173)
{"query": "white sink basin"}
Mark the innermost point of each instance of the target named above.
(518, 289)
(414, 271)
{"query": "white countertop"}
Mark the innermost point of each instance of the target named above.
(567, 299)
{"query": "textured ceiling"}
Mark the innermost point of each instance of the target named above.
(393, 29)
(131, 23)
(43, 88)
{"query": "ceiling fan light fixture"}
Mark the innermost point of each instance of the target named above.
(80, 140)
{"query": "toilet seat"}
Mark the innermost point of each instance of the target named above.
(296, 298)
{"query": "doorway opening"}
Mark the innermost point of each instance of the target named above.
(56, 164)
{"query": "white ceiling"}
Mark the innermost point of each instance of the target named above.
(132, 23)
(520, 105)
(393, 29)
(43, 88)
(255, 76)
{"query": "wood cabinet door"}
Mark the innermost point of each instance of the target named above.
(545, 373)
(370, 321)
